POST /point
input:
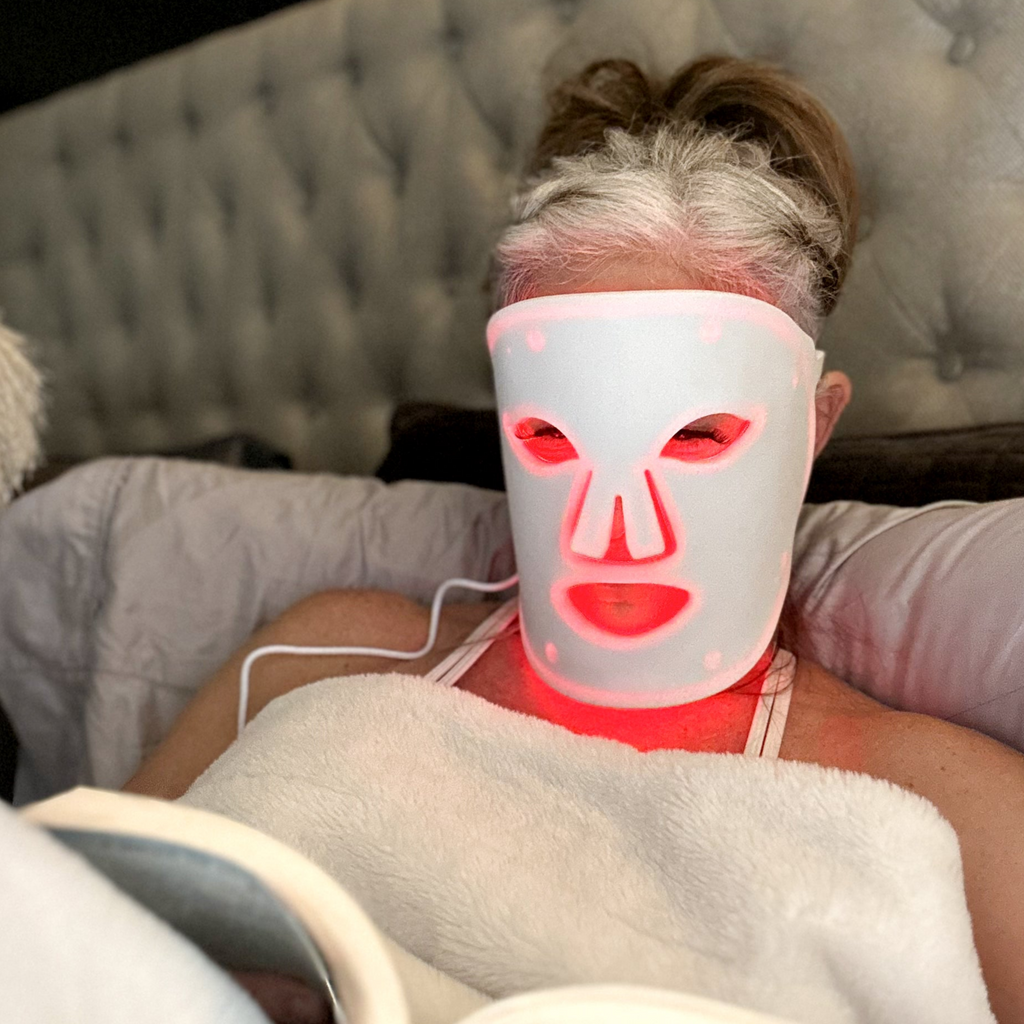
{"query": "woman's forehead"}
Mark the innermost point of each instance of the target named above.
(625, 274)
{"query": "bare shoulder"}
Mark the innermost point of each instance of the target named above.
(836, 725)
(370, 618)
(331, 618)
(975, 783)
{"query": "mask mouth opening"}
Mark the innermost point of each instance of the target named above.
(627, 609)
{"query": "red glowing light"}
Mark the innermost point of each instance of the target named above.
(706, 438)
(544, 441)
(627, 609)
(720, 722)
(618, 549)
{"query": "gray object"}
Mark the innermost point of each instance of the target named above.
(222, 908)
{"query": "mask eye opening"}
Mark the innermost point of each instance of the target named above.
(544, 441)
(705, 438)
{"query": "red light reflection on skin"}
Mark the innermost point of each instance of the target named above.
(718, 723)
(545, 441)
(706, 438)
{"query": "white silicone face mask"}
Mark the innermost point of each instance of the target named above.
(653, 559)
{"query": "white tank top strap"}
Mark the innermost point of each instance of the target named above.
(449, 671)
(769, 724)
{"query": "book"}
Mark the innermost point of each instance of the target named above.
(253, 904)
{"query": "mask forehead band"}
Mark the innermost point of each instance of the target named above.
(722, 306)
(819, 364)
(714, 308)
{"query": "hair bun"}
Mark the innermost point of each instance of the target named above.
(754, 101)
(747, 100)
(606, 94)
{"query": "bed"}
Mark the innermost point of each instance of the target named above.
(269, 248)
(274, 242)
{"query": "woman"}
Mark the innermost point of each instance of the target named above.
(727, 178)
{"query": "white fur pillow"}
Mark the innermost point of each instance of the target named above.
(21, 414)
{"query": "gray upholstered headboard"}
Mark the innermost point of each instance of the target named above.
(283, 229)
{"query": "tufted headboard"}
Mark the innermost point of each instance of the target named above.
(283, 229)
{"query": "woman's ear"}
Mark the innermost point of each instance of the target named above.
(830, 399)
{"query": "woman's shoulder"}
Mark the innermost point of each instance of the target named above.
(378, 618)
(829, 720)
(973, 781)
(835, 725)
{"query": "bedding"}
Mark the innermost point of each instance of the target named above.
(136, 578)
(477, 838)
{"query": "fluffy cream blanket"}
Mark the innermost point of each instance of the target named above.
(21, 414)
(512, 855)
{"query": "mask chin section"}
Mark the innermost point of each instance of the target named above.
(627, 609)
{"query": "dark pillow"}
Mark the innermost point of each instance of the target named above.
(441, 442)
(444, 443)
(242, 450)
(8, 757)
(969, 463)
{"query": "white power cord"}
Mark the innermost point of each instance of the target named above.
(380, 652)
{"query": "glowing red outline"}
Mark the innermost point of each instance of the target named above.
(533, 443)
(572, 519)
(686, 693)
(650, 606)
(756, 415)
(727, 306)
(653, 728)
(530, 462)
(591, 633)
(722, 446)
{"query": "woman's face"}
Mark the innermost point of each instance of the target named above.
(661, 273)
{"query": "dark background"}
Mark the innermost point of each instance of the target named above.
(47, 45)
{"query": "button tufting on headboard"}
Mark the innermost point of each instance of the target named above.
(283, 229)
(961, 50)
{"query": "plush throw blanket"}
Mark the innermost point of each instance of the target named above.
(512, 854)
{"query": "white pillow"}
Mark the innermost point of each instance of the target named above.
(922, 608)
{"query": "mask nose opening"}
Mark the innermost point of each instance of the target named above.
(593, 538)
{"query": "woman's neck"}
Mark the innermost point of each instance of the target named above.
(719, 723)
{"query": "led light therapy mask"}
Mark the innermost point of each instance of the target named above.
(656, 447)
